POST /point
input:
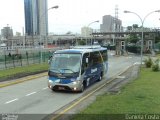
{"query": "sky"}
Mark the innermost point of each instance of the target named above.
(74, 14)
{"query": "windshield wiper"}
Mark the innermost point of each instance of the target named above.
(56, 70)
(68, 69)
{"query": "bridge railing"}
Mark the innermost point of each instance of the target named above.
(126, 30)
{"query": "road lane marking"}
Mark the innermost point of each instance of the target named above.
(137, 63)
(112, 54)
(45, 88)
(120, 77)
(30, 93)
(129, 57)
(11, 101)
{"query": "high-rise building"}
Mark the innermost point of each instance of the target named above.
(43, 17)
(110, 24)
(6, 32)
(36, 17)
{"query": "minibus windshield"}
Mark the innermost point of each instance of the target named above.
(65, 63)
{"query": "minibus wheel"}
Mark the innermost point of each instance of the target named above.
(100, 77)
(82, 87)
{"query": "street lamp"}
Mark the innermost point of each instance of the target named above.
(88, 27)
(40, 24)
(142, 22)
(93, 22)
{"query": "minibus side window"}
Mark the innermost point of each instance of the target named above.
(104, 55)
(85, 64)
(95, 58)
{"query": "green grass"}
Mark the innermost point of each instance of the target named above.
(142, 96)
(22, 70)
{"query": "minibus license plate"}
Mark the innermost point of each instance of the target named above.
(61, 88)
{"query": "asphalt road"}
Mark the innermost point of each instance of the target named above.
(34, 97)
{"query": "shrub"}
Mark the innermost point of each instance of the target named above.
(133, 49)
(148, 62)
(155, 66)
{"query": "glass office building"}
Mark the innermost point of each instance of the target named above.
(36, 17)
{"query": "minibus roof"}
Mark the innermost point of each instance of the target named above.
(82, 49)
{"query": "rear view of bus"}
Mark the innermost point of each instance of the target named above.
(76, 69)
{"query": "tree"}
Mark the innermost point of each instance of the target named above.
(82, 42)
(135, 26)
(157, 39)
(69, 33)
(133, 38)
(129, 28)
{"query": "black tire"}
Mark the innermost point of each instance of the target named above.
(100, 77)
(87, 82)
(54, 90)
(82, 87)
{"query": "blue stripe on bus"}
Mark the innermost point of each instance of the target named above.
(60, 80)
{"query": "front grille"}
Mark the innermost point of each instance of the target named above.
(60, 87)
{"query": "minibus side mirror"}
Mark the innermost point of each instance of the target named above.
(86, 60)
(49, 61)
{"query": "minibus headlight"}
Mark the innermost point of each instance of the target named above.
(50, 81)
(76, 82)
(73, 80)
(50, 84)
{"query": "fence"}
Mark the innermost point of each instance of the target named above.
(18, 58)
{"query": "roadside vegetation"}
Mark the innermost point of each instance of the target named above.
(153, 63)
(158, 56)
(141, 96)
(17, 72)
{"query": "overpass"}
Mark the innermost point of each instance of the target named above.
(125, 32)
(119, 38)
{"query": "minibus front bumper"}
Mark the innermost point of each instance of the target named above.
(73, 86)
